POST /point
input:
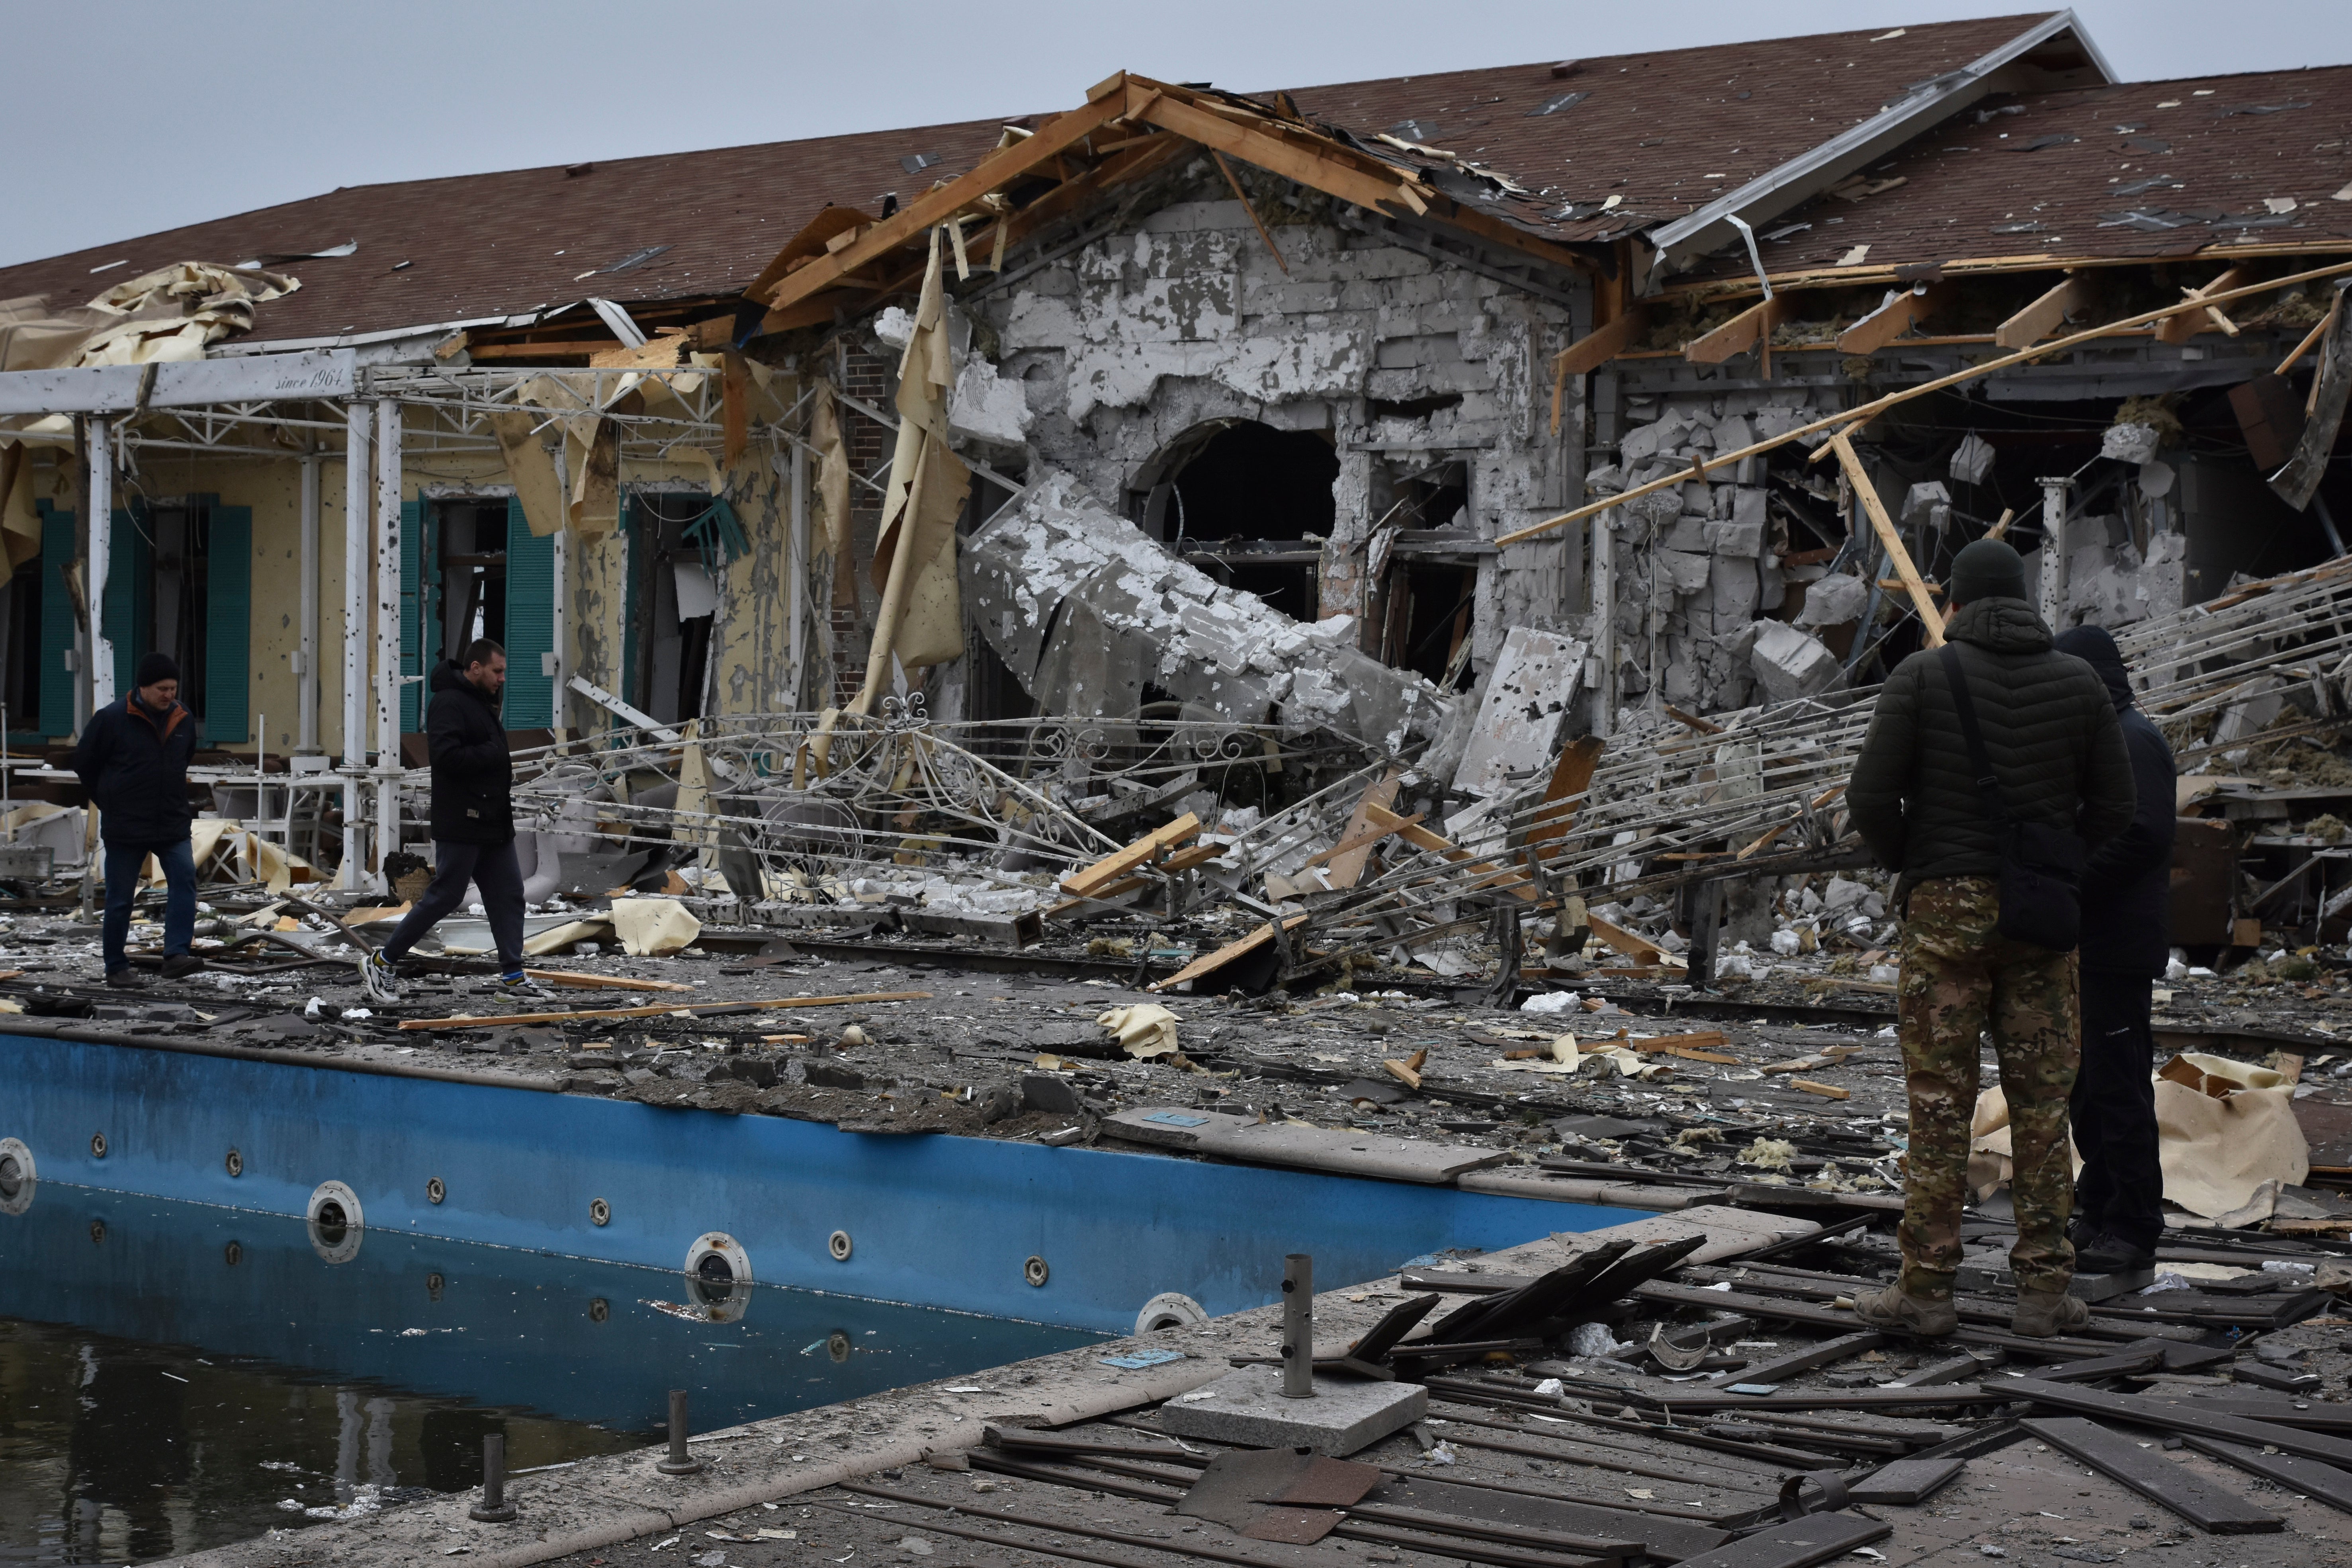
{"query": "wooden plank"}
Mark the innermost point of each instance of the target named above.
(1603, 343)
(1780, 1369)
(1931, 619)
(1084, 882)
(1243, 196)
(1751, 328)
(1641, 949)
(1000, 168)
(2310, 338)
(1328, 172)
(1905, 1483)
(1361, 841)
(1348, 859)
(2072, 296)
(1898, 315)
(2180, 329)
(1488, 873)
(2160, 1480)
(1211, 962)
(2141, 1411)
(2309, 1477)
(1795, 1543)
(771, 1004)
(1571, 776)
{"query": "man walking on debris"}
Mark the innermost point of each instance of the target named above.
(473, 822)
(134, 762)
(2127, 889)
(2047, 734)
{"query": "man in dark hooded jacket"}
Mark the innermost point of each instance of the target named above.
(473, 822)
(2057, 756)
(2127, 891)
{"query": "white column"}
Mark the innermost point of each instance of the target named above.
(387, 631)
(359, 495)
(2054, 549)
(559, 629)
(100, 440)
(306, 654)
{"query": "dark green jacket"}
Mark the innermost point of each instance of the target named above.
(2049, 732)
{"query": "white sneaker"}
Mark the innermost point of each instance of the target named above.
(523, 985)
(379, 979)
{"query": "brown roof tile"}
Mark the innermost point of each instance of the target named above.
(2096, 173)
(1665, 131)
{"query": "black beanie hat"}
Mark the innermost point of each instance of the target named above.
(158, 667)
(1988, 569)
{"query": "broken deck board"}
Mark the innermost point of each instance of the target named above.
(2160, 1480)
(1296, 1146)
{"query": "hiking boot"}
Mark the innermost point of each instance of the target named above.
(518, 983)
(2043, 1313)
(176, 964)
(2107, 1253)
(1889, 1307)
(379, 979)
(125, 979)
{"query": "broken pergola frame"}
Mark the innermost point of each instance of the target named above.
(1852, 419)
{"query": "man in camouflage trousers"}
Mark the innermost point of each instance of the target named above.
(2058, 758)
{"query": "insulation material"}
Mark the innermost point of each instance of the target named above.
(2223, 1128)
(1526, 701)
(530, 467)
(1143, 1030)
(592, 453)
(1971, 459)
(653, 928)
(168, 315)
(1085, 610)
(925, 496)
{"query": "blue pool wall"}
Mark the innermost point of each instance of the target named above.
(932, 1220)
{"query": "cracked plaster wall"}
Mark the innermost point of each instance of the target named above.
(1183, 318)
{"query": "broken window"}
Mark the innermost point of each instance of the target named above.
(665, 640)
(1251, 506)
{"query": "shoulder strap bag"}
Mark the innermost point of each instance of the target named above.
(2041, 868)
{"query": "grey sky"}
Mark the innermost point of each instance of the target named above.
(125, 119)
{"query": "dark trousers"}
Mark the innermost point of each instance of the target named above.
(2121, 1188)
(491, 867)
(123, 864)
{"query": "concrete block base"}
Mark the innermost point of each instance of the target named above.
(1247, 1407)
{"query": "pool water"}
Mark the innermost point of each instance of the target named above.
(175, 1376)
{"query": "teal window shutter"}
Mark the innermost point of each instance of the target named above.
(57, 685)
(228, 627)
(129, 596)
(412, 610)
(531, 624)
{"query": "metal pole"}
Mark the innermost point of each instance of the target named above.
(560, 634)
(679, 1462)
(101, 549)
(306, 656)
(357, 508)
(1298, 1326)
(1604, 620)
(494, 1508)
(797, 551)
(387, 635)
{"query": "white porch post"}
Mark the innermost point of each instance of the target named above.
(387, 632)
(1604, 620)
(797, 556)
(2054, 549)
(358, 507)
(306, 655)
(102, 547)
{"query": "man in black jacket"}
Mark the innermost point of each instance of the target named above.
(473, 822)
(2126, 894)
(133, 764)
(2058, 761)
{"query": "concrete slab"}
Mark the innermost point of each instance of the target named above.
(1379, 1155)
(1248, 1408)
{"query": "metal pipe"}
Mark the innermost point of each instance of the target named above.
(1298, 1326)
(101, 550)
(494, 1508)
(2053, 595)
(679, 1463)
